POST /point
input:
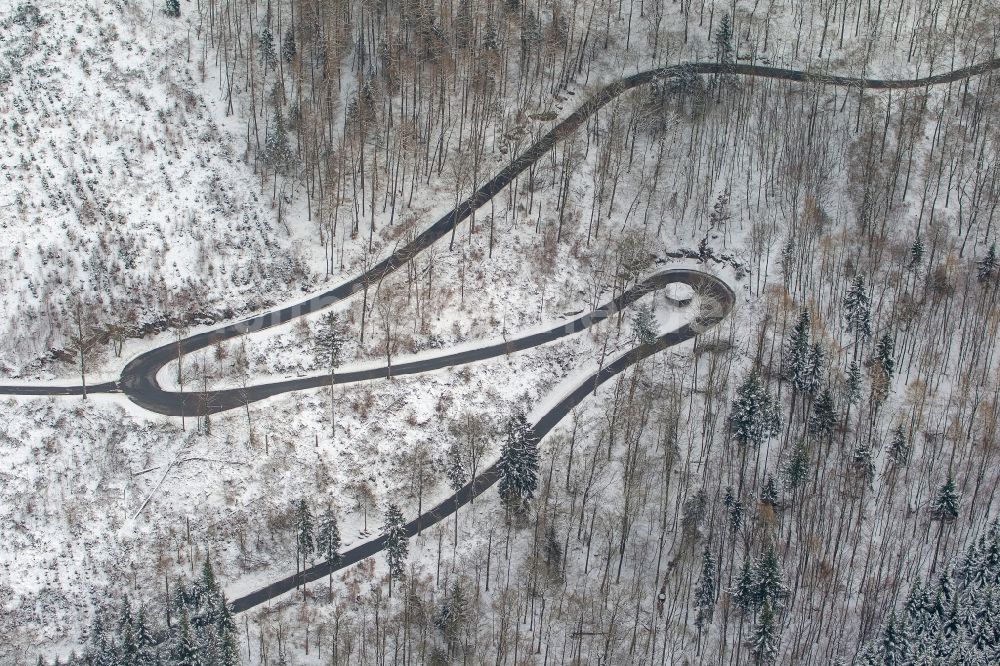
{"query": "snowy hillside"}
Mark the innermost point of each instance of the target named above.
(765, 493)
(123, 184)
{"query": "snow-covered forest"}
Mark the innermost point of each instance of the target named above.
(809, 477)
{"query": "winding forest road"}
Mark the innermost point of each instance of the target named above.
(716, 300)
(138, 379)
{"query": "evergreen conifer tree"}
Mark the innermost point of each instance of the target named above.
(328, 538)
(459, 603)
(491, 36)
(812, 377)
(736, 515)
(769, 581)
(184, 650)
(304, 538)
(453, 615)
(970, 568)
(517, 468)
(330, 341)
(172, 8)
(99, 646)
(916, 603)
(694, 511)
(899, 448)
(328, 542)
(144, 636)
(885, 350)
(123, 646)
(277, 151)
(863, 462)
(986, 268)
(764, 643)
(991, 551)
(644, 325)
(456, 471)
(288, 49)
(463, 25)
(892, 643)
(720, 211)
(853, 383)
(797, 350)
(745, 592)
(228, 643)
(704, 591)
(823, 418)
(754, 417)
(396, 546)
(728, 497)
(724, 40)
(945, 591)
(769, 493)
(916, 253)
(457, 476)
(205, 588)
(181, 596)
(268, 56)
(857, 309)
(735, 508)
(798, 466)
(945, 504)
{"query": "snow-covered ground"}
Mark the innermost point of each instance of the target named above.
(126, 181)
(115, 499)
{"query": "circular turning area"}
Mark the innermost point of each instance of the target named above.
(678, 294)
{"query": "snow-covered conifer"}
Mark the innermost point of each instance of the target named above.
(518, 465)
(304, 530)
(798, 466)
(644, 324)
(899, 448)
(857, 309)
(328, 536)
(769, 581)
(823, 418)
(754, 416)
(764, 643)
(769, 493)
(704, 591)
(945, 504)
(916, 253)
(396, 546)
(986, 268)
(796, 355)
